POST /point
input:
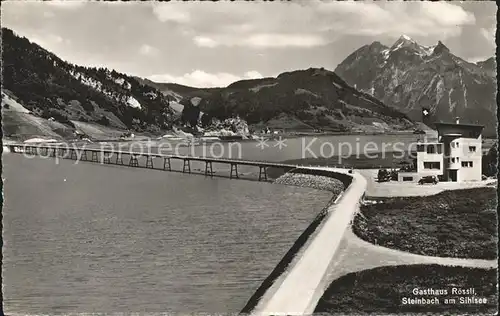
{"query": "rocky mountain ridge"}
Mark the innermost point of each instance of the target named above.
(410, 77)
(57, 98)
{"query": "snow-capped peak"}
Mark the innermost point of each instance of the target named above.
(406, 37)
(407, 42)
(402, 42)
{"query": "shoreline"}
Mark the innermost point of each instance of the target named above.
(305, 238)
(245, 138)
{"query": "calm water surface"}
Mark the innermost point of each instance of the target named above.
(292, 148)
(95, 238)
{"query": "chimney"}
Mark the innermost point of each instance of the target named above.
(457, 120)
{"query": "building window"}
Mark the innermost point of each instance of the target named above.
(432, 165)
(452, 145)
(431, 149)
(472, 149)
(458, 144)
(407, 178)
(467, 164)
(452, 160)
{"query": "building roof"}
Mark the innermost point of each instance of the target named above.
(459, 125)
(429, 143)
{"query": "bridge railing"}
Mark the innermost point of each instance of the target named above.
(106, 154)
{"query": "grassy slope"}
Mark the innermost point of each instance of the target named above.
(460, 223)
(381, 290)
(23, 126)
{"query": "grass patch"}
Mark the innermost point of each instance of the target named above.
(381, 290)
(459, 223)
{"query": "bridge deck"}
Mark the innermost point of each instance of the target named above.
(263, 165)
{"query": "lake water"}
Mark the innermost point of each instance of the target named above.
(270, 150)
(101, 238)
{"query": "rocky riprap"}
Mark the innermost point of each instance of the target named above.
(312, 181)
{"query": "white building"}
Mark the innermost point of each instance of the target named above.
(456, 156)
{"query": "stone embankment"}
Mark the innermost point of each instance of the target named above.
(312, 181)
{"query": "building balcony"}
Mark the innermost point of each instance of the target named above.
(453, 166)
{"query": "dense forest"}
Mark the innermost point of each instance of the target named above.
(52, 87)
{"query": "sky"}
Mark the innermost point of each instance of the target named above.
(207, 44)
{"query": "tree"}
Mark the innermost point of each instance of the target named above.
(206, 120)
(103, 121)
(489, 162)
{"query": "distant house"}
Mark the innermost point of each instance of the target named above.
(456, 156)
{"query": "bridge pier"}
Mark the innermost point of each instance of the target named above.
(234, 166)
(149, 162)
(106, 159)
(166, 162)
(133, 161)
(262, 173)
(188, 166)
(119, 159)
(207, 169)
(94, 157)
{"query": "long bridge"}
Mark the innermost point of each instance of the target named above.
(300, 279)
(106, 156)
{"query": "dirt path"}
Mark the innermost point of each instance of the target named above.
(356, 255)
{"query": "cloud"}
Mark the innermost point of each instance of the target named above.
(65, 4)
(203, 41)
(489, 33)
(148, 50)
(446, 14)
(49, 41)
(310, 23)
(171, 12)
(263, 40)
(199, 78)
(284, 40)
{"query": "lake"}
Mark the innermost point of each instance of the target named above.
(104, 238)
(271, 150)
(101, 238)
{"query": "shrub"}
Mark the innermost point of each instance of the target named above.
(103, 121)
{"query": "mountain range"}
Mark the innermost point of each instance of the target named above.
(303, 100)
(53, 91)
(410, 77)
(375, 89)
